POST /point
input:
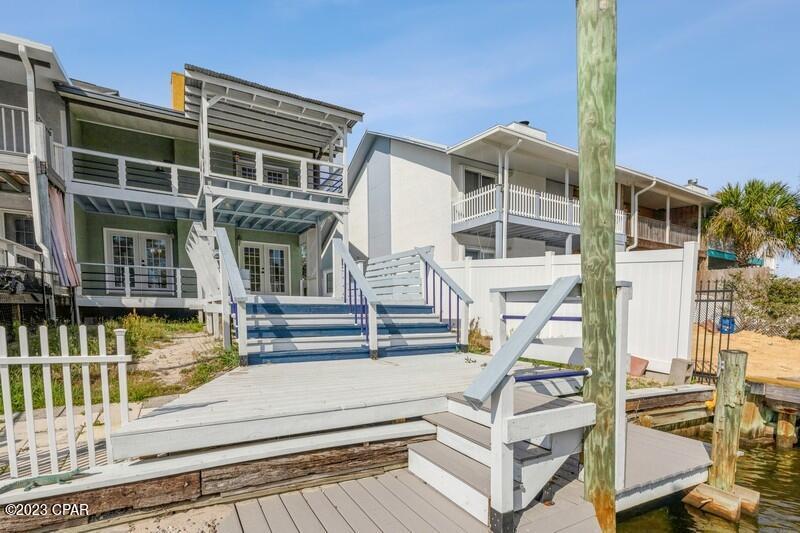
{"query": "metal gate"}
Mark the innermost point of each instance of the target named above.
(714, 323)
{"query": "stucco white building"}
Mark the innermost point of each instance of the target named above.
(506, 192)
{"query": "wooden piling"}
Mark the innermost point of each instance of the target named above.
(786, 435)
(597, 85)
(727, 419)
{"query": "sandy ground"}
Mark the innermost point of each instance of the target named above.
(767, 357)
(209, 519)
(183, 351)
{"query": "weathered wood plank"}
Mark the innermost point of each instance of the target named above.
(727, 419)
(335, 461)
(150, 493)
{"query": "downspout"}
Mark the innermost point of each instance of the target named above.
(635, 216)
(33, 171)
(506, 196)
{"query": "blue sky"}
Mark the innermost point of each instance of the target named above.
(707, 90)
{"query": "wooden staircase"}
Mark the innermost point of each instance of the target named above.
(458, 462)
(324, 329)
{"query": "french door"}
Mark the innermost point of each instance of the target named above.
(147, 256)
(268, 265)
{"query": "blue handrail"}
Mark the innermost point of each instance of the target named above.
(586, 372)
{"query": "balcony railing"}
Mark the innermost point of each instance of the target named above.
(14, 135)
(132, 173)
(656, 230)
(265, 167)
(128, 280)
(524, 202)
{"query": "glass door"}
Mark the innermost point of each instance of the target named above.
(268, 265)
(148, 256)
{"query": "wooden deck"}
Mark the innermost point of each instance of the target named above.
(658, 464)
(398, 501)
(268, 401)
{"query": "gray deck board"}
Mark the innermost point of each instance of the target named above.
(277, 516)
(525, 401)
(422, 507)
(301, 513)
(438, 500)
(410, 520)
(252, 517)
(350, 511)
(326, 513)
(385, 520)
(230, 524)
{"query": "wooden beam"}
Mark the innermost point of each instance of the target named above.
(597, 82)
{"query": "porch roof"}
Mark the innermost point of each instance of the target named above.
(44, 59)
(534, 144)
(249, 109)
(239, 213)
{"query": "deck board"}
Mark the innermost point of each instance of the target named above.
(251, 517)
(276, 514)
(301, 513)
(268, 401)
(326, 513)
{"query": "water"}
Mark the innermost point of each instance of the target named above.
(774, 473)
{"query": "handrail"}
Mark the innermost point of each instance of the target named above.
(232, 281)
(360, 296)
(361, 281)
(427, 257)
(506, 357)
(279, 155)
(462, 298)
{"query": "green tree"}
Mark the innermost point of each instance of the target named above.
(757, 217)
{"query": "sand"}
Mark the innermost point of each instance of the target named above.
(767, 357)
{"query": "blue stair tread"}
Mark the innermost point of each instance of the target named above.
(327, 354)
(321, 330)
(285, 309)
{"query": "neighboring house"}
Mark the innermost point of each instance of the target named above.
(407, 192)
(133, 178)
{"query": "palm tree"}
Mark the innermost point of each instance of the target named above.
(756, 218)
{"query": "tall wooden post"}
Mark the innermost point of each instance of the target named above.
(597, 95)
(727, 419)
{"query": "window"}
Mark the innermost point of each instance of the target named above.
(475, 179)
(329, 282)
(479, 253)
(19, 228)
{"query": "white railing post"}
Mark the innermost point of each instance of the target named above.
(28, 401)
(501, 514)
(69, 413)
(499, 331)
(464, 340)
(126, 273)
(122, 374)
(226, 306)
(121, 171)
(173, 178)
(8, 412)
(372, 329)
(624, 294)
(241, 330)
(178, 283)
(303, 175)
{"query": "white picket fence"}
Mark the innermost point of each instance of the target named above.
(475, 204)
(80, 447)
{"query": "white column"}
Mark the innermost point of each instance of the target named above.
(624, 295)
(499, 226)
(669, 216)
(566, 182)
(501, 514)
(699, 221)
(345, 185)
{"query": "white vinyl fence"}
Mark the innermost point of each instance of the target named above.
(660, 310)
(67, 440)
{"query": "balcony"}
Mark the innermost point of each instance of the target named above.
(99, 168)
(654, 230)
(275, 170)
(526, 206)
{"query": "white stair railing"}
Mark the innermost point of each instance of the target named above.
(497, 381)
(360, 296)
(454, 290)
(234, 300)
